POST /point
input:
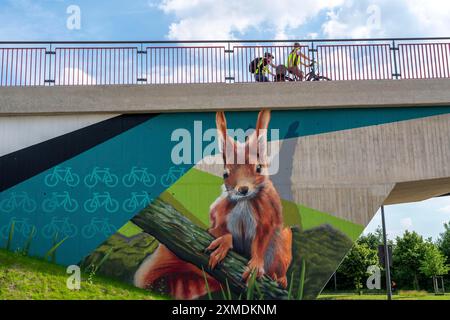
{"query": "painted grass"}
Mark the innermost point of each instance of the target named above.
(25, 278)
(402, 295)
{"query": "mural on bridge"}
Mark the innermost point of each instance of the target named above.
(88, 190)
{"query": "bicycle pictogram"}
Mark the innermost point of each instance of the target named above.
(61, 174)
(96, 226)
(18, 200)
(101, 201)
(137, 200)
(139, 175)
(21, 226)
(62, 227)
(60, 200)
(172, 176)
(101, 175)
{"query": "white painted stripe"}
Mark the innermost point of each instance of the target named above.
(19, 132)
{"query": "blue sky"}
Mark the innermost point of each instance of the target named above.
(235, 19)
(218, 19)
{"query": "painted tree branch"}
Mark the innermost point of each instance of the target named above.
(189, 241)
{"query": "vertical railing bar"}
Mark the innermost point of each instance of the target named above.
(447, 50)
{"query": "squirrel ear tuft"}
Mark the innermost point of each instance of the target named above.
(226, 145)
(221, 124)
(263, 120)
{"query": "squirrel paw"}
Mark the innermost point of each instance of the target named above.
(256, 266)
(221, 246)
(283, 282)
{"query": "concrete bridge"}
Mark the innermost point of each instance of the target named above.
(78, 162)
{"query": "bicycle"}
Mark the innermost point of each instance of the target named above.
(172, 176)
(101, 200)
(18, 200)
(60, 200)
(62, 227)
(98, 226)
(101, 175)
(63, 175)
(20, 226)
(137, 200)
(139, 175)
(312, 75)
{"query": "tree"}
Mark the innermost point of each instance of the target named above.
(407, 256)
(444, 241)
(433, 263)
(354, 266)
(373, 240)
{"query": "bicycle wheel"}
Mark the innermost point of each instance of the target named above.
(321, 78)
(167, 180)
(112, 206)
(27, 230)
(109, 230)
(73, 180)
(7, 205)
(129, 180)
(4, 231)
(111, 180)
(29, 205)
(91, 206)
(49, 231)
(149, 180)
(49, 205)
(71, 205)
(88, 231)
(70, 230)
(129, 205)
(90, 181)
(51, 180)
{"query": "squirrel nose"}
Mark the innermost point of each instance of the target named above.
(243, 190)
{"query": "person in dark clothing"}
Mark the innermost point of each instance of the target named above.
(262, 69)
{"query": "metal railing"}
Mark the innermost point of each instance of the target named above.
(172, 62)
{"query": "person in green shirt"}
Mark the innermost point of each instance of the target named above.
(295, 59)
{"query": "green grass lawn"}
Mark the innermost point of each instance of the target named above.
(402, 295)
(25, 278)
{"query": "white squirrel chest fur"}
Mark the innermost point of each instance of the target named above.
(241, 224)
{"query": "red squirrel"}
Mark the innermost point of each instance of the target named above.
(247, 218)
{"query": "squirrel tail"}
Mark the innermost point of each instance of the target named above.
(184, 280)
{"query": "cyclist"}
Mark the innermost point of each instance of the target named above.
(262, 69)
(295, 60)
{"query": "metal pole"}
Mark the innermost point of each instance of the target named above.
(386, 257)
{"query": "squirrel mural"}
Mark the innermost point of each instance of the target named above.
(247, 217)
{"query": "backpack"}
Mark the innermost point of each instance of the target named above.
(253, 65)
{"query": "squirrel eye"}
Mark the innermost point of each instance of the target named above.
(225, 174)
(258, 168)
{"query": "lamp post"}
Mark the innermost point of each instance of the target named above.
(386, 257)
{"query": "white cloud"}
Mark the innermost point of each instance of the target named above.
(406, 223)
(445, 209)
(385, 18)
(209, 19)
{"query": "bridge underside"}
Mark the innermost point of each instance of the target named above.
(414, 191)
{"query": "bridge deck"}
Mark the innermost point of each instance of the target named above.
(209, 97)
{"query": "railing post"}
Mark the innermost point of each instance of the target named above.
(48, 66)
(396, 74)
(142, 54)
(313, 50)
(228, 76)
